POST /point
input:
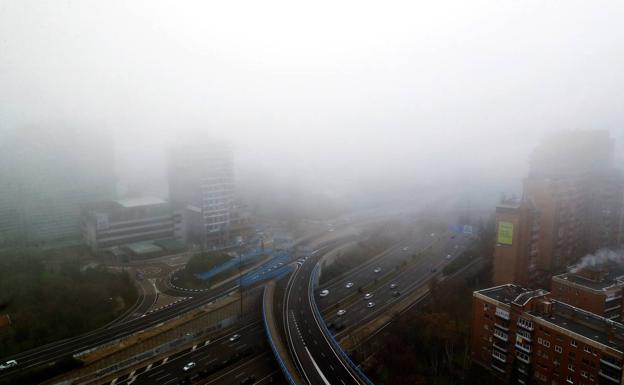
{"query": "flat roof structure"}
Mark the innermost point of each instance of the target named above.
(139, 201)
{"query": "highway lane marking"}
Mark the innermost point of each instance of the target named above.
(331, 366)
(160, 378)
(317, 367)
(229, 373)
(265, 377)
(171, 380)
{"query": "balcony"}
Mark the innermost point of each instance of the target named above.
(500, 335)
(611, 364)
(499, 347)
(604, 375)
(526, 325)
(500, 357)
(502, 313)
(609, 309)
(526, 349)
(501, 370)
(523, 357)
(502, 327)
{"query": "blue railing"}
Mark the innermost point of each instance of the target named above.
(329, 334)
(287, 374)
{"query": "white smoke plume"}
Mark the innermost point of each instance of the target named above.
(598, 258)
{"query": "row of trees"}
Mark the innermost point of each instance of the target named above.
(431, 344)
(49, 297)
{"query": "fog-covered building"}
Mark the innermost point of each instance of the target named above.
(123, 222)
(201, 183)
(46, 177)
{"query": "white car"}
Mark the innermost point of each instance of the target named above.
(368, 295)
(235, 338)
(341, 312)
(370, 304)
(449, 256)
(349, 285)
(377, 269)
(189, 366)
(393, 286)
(8, 364)
(405, 248)
(324, 293)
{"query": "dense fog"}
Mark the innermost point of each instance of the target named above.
(360, 103)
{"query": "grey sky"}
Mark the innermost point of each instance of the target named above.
(328, 89)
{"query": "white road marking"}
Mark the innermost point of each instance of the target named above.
(317, 368)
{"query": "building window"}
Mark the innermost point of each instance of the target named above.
(573, 343)
(546, 343)
(583, 374)
(571, 367)
(558, 349)
(586, 349)
(570, 379)
(485, 307)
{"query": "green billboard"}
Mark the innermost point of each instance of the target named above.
(505, 233)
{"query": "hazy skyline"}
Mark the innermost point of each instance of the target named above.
(346, 92)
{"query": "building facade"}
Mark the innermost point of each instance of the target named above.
(113, 224)
(46, 177)
(201, 183)
(571, 205)
(525, 337)
(597, 289)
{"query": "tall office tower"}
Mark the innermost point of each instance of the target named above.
(201, 182)
(46, 176)
(574, 196)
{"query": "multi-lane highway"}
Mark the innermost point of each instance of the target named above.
(214, 362)
(313, 352)
(392, 283)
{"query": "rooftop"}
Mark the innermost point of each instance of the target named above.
(139, 201)
(504, 293)
(586, 324)
(602, 278)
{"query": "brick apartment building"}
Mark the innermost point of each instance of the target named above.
(597, 289)
(525, 337)
(571, 205)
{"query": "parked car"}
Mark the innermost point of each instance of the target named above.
(324, 293)
(368, 295)
(393, 286)
(370, 304)
(189, 366)
(349, 285)
(377, 269)
(235, 338)
(341, 312)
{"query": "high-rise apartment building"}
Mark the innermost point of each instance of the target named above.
(571, 205)
(46, 177)
(525, 337)
(201, 183)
